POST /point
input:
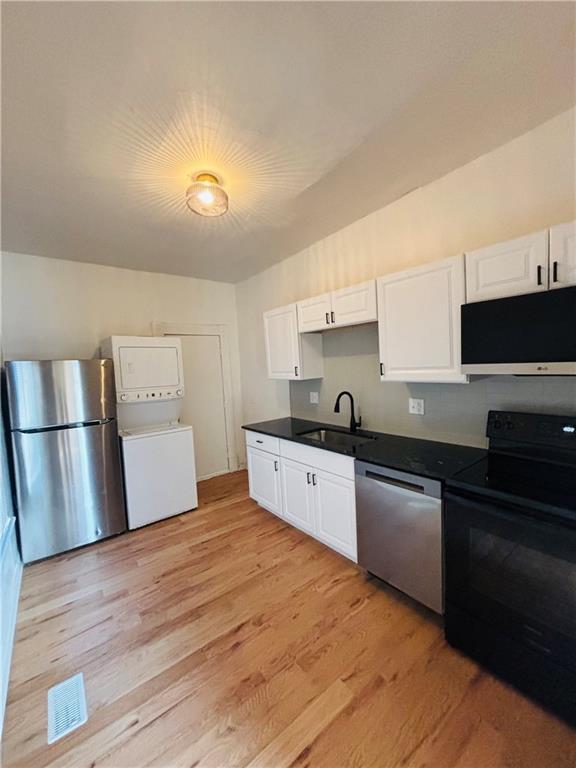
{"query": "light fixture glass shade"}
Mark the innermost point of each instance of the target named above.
(206, 197)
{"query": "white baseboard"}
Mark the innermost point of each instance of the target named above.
(10, 580)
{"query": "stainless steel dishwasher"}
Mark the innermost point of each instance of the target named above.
(399, 522)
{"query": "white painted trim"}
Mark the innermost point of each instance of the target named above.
(214, 474)
(222, 331)
(11, 592)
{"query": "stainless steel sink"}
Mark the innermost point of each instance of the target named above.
(336, 438)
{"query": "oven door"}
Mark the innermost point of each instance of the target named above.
(513, 571)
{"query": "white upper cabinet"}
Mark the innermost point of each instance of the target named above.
(289, 355)
(506, 269)
(354, 305)
(563, 255)
(349, 306)
(315, 314)
(281, 332)
(419, 323)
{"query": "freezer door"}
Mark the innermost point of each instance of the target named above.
(48, 393)
(69, 488)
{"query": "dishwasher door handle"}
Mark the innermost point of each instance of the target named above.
(398, 483)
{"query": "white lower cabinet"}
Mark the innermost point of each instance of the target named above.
(264, 479)
(297, 494)
(303, 492)
(335, 512)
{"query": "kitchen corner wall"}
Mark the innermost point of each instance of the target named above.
(523, 186)
(54, 308)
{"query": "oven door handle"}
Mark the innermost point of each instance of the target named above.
(501, 509)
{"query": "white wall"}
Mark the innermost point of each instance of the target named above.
(10, 563)
(55, 308)
(523, 186)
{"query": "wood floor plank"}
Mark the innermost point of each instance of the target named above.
(224, 638)
(296, 739)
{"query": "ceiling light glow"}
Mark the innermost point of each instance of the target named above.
(206, 196)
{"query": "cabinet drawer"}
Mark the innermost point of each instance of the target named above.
(318, 458)
(263, 442)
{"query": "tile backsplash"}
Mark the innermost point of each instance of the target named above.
(453, 412)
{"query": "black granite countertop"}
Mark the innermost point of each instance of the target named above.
(427, 458)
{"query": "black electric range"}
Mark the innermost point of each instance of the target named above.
(510, 556)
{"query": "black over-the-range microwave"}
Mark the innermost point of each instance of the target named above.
(532, 334)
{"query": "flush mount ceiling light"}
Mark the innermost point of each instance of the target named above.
(206, 196)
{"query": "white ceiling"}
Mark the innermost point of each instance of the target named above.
(314, 114)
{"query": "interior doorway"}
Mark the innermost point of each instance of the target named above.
(207, 404)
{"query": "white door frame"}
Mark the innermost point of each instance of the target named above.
(221, 331)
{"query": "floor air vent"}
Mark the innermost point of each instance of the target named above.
(66, 707)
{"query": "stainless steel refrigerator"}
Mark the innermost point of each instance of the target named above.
(66, 454)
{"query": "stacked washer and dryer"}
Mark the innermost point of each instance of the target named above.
(157, 450)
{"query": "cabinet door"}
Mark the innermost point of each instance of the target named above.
(264, 479)
(507, 269)
(419, 323)
(563, 255)
(298, 501)
(354, 305)
(282, 343)
(335, 503)
(315, 314)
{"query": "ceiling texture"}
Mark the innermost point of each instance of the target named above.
(313, 115)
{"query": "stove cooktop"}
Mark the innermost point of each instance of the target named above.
(531, 461)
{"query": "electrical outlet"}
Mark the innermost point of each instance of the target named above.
(416, 406)
(314, 398)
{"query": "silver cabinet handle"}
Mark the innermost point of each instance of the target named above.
(259, 441)
(275, 466)
(308, 477)
(327, 318)
(333, 317)
(313, 479)
(296, 370)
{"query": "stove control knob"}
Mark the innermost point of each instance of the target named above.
(497, 424)
(509, 425)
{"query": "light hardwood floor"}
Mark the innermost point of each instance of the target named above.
(225, 638)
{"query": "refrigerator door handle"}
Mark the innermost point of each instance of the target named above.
(60, 427)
